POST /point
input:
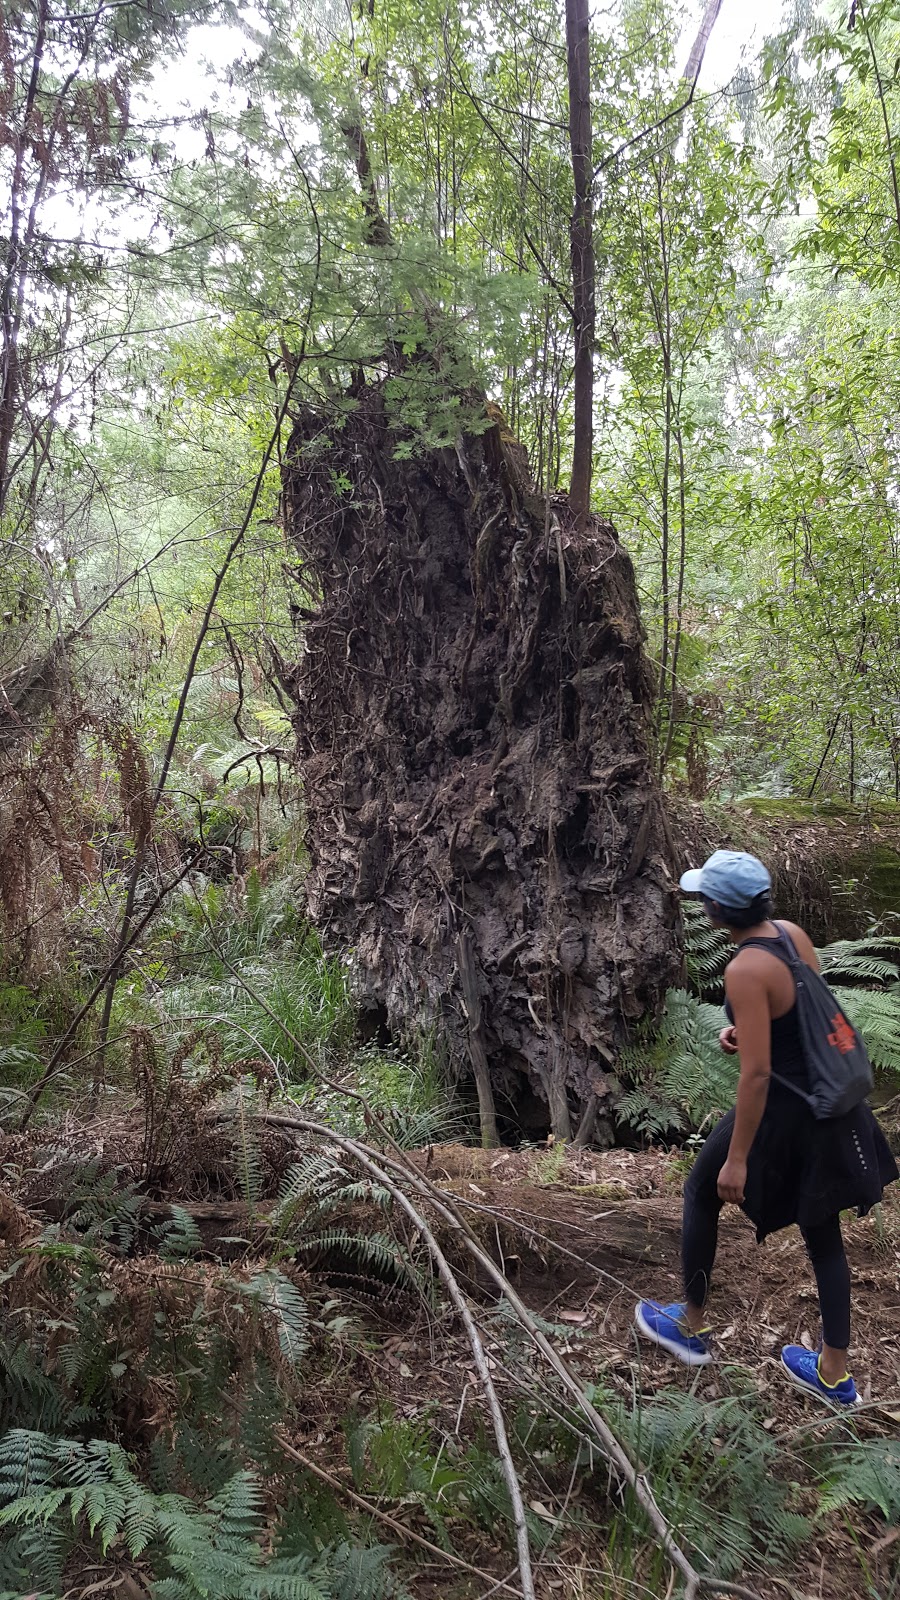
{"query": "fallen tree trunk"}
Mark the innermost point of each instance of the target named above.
(483, 826)
(835, 867)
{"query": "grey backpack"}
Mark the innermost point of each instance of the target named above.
(840, 1072)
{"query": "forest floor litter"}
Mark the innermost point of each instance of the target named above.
(581, 1235)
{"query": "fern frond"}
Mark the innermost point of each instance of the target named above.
(314, 1175)
(706, 949)
(866, 1473)
(364, 1190)
(359, 1573)
(282, 1298)
(179, 1237)
(383, 1256)
(676, 1074)
(103, 1208)
(857, 966)
(248, 1154)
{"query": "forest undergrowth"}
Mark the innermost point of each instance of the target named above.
(272, 1325)
(250, 1348)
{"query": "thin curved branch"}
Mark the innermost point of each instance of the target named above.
(615, 1452)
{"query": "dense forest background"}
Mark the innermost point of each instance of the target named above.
(227, 226)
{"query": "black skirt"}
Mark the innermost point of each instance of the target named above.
(801, 1170)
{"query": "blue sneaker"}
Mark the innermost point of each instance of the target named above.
(802, 1367)
(667, 1327)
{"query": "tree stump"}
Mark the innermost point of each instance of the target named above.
(484, 830)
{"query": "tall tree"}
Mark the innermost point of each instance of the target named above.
(67, 138)
(578, 57)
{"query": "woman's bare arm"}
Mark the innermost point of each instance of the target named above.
(748, 997)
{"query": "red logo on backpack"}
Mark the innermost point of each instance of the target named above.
(843, 1038)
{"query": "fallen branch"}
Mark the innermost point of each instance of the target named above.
(613, 1449)
(391, 1522)
(370, 1160)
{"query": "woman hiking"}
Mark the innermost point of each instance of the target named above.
(770, 1155)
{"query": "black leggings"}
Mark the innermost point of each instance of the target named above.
(824, 1245)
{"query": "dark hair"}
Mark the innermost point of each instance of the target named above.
(759, 910)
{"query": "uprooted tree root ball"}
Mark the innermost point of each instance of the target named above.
(482, 820)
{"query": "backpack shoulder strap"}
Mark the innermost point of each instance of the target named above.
(786, 951)
(782, 947)
(789, 945)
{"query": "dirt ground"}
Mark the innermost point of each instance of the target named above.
(583, 1236)
(611, 1228)
(619, 1214)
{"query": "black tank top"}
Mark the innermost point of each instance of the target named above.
(787, 1044)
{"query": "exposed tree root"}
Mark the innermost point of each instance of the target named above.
(484, 828)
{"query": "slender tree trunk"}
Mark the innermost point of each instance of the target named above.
(582, 243)
(821, 767)
(664, 551)
(892, 161)
(698, 49)
(140, 852)
(15, 266)
(679, 600)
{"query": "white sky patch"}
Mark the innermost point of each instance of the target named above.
(737, 37)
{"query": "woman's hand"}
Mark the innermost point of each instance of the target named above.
(728, 1040)
(732, 1181)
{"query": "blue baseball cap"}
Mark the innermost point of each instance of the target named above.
(730, 877)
